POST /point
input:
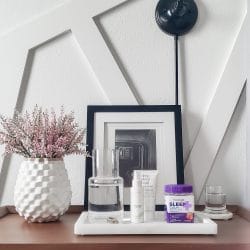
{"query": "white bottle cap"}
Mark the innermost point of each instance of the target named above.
(136, 182)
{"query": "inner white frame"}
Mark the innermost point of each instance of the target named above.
(105, 124)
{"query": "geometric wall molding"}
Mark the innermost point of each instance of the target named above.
(227, 87)
(84, 29)
(215, 124)
(145, 56)
(75, 16)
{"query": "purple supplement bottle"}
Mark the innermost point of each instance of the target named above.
(179, 203)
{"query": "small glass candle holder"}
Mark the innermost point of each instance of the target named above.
(215, 201)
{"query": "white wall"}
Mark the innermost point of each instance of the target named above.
(60, 71)
(247, 48)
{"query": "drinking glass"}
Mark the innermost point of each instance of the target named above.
(215, 199)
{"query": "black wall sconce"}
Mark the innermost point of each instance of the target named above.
(176, 18)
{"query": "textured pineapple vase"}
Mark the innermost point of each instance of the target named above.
(42, 192)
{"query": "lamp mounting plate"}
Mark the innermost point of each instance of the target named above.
(176, 17)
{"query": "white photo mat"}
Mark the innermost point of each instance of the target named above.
(106, 124)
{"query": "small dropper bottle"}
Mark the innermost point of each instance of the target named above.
(137, 199)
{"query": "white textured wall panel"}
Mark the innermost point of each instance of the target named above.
(59, 75)
(230, 166)
(14, 13)
(147, 57)
(112, 52)
(246, 203)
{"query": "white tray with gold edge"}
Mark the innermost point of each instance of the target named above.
(201, 225)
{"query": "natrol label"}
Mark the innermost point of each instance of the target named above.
(179, 208)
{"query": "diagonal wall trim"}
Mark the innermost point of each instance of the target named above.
(18, 106)
(76, 16)
(118, 61)
(102, 6)
(218, 117)
(79, 17)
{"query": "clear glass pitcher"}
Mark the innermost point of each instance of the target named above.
(105, 188)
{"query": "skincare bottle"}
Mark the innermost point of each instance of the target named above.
(148, 178)
(137, 199)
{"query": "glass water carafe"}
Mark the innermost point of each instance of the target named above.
(105, 202)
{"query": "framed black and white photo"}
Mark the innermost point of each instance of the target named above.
(148, 138)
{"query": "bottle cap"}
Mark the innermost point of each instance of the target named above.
(178, 188)
(136, 179)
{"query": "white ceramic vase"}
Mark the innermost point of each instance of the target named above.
(42, 192)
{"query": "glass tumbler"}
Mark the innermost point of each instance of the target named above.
(215, 201)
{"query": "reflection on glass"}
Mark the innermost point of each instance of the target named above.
(137, 151)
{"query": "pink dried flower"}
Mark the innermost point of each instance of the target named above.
(42, 134)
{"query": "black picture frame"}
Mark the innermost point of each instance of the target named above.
(93, 109)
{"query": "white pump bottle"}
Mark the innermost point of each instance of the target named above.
(137, 199)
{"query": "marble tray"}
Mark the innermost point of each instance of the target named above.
(201, 225)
